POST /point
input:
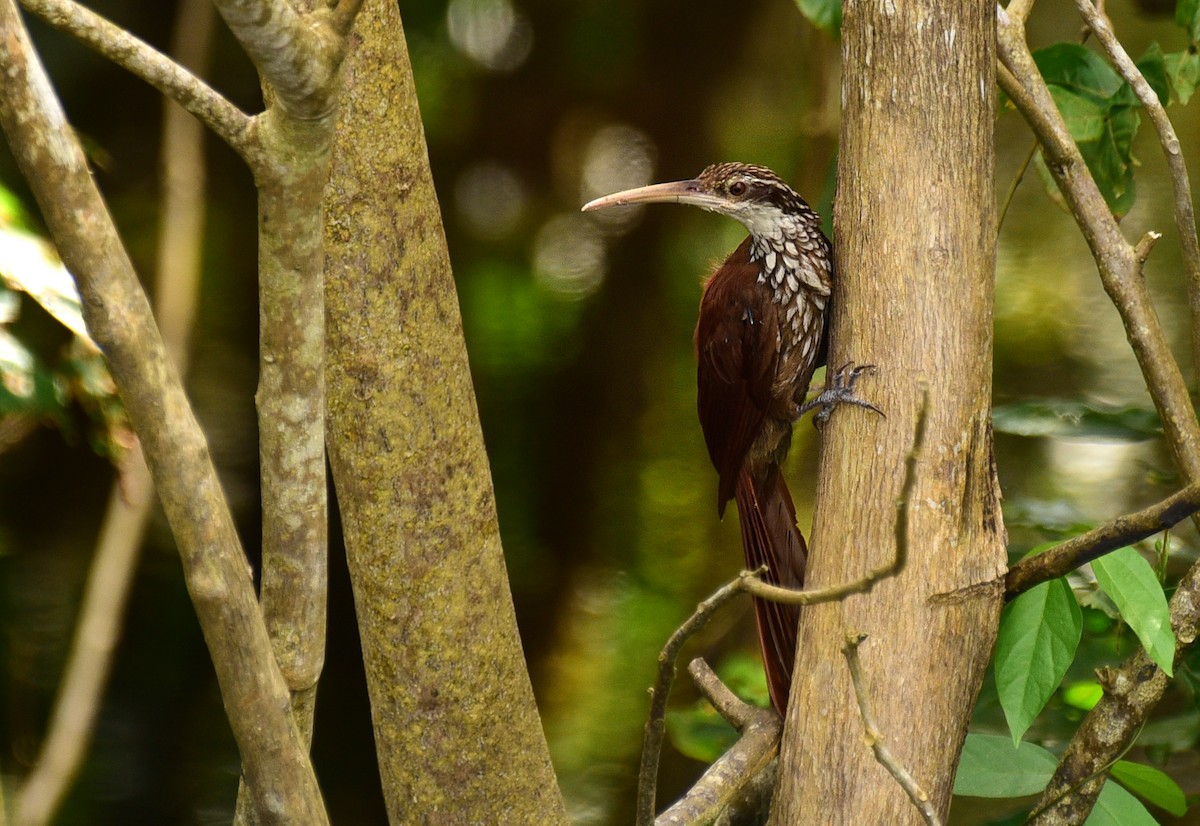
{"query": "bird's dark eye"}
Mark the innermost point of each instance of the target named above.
(737, 188)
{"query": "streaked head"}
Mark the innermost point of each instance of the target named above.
(753, 195)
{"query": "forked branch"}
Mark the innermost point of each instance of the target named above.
(232, 125)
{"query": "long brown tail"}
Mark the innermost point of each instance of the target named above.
(770, 537)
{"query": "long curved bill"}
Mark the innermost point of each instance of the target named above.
(675, 192)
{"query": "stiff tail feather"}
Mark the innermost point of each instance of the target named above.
(770, 537)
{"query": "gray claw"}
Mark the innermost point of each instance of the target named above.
(839, 389)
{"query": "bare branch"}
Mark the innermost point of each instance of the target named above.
(726, 780)
(1185, 215)
(111, 572)
(1139, 684)
(1122, 531)
(730, 706)
(1116, 260)
(656, 721)
(875, 739)
(229, 123)
(119, 319)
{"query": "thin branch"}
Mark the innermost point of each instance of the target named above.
(656, 721)
(112, 569)
(750, 582)
(726, 780)
(119, 319)
(1122, 531)
(1185, 215)
(814, 596)
(1117, 262)
(1139, 684)
(139, 58)
(915, 793)
(1019, 10)
(730, 706)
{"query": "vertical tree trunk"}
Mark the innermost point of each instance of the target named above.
(456, 728)
(915, 233)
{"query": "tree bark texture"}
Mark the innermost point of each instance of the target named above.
(915, 245)
(456, 727)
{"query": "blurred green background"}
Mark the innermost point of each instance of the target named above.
(579, 329)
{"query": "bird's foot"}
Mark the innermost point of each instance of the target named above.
(839, 389)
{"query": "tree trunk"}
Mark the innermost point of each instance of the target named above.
(915, 242)
(456, 728)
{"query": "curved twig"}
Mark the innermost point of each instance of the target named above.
(231, 124)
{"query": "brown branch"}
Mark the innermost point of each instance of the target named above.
(1139, 684)
(1122, 531)
(1117, 260)
(874, 738)
(730, 706)
(119, 319)
(656, 720)
(111, 572)
(139, 58)
(1185, 215)
(726, 781)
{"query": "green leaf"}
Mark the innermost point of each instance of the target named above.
(1065, 418)
(1152, 64)
(1085, 117)
(1079, 70)
(1187, 15)
(991, 766)
(1183, 71)
(1117, 807)
(1152, 784)
(826, 15)
(1039, 632)
(1129, 580)
(700, 732)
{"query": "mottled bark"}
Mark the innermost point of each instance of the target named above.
(456, 727)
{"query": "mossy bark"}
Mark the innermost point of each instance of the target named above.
(456, 727)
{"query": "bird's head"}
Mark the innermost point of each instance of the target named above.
(753, 195)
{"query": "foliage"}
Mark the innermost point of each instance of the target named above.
(699, 731)
(40, 377)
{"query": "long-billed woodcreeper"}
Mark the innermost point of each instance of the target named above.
(761, 334)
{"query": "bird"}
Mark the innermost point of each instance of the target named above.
(761, 334)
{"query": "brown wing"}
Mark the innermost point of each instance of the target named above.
(735, 365)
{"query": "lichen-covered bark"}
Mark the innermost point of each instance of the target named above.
(915, 234)
(118, 316)
(456, 728)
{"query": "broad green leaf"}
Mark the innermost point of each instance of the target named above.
(1039, 632)
(1085, 117)
(991, 766)
(1117, 807)
(826, 15)
(1183, 70)
(1079, 70)
(1152, 784)
(1131, 583)
(1063, 417)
